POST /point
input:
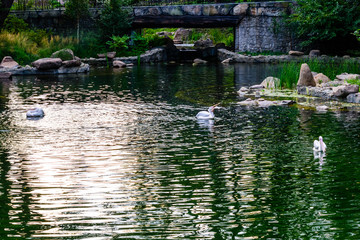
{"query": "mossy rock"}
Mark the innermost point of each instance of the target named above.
(64, 54)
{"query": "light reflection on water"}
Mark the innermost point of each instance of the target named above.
(122, 157)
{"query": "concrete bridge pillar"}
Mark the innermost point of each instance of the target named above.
(263, 29)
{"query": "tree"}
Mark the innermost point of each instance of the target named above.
(77, 9)
(319, 21)
(4, 10)
(115, 19)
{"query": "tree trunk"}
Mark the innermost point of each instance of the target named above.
(78, 29)
(4, 10)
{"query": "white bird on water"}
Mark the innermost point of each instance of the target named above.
(35, 113)
(319, 146)
(209, 114)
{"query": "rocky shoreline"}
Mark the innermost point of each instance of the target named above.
(314, 91)
(60, 62)
(227, 56)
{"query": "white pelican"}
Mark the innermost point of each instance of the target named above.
(209, 114)
(319, 145)
(35, 113)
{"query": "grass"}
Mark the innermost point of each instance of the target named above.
(354, 81)
(289, 73)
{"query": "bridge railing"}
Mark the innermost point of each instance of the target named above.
(52, 4)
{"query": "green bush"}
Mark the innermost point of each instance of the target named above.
(155, 40)
(140, 44)
(119, 44)
(320, 21)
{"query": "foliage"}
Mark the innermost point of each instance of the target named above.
(354, 81)
(14, 25)
(17, 45)
(77, 8)
(114, 19)
(357, 34)
(155, 40)
(119, 44)
(89, 45)
(217, 35)
(139, 44)
(289, 73)
(317, 21)
(24, 50)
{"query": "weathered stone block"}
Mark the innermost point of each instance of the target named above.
(240, 9)
(172, 10)
(194, 10)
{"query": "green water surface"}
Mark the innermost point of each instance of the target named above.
(120, 155)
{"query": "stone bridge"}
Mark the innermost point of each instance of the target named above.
(258, 26)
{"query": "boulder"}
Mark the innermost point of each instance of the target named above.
(182, 35)
(321, 92)
(8, 62)
(199, 61)
(306, 78)
(353, 98)
(71, 63)
(347, 76)
(64, 54)
(47, 63)
(257, 87)
(321, 79)
(271, 82)
(244, 89)
(220, 46)
(203, 43)
(334, 83)
(5, 75)
(119, 64)
(314, 53)
(228, 60)
(344, 90)
(111, 55)
(101, 55)
(296, 53)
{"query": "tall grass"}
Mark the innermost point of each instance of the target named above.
(23, 49)
(18, 46)
(289, 72)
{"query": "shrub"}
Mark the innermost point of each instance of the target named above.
(14, 25)
(139, 44)
(119, 44)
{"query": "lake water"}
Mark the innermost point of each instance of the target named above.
(120, 155)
